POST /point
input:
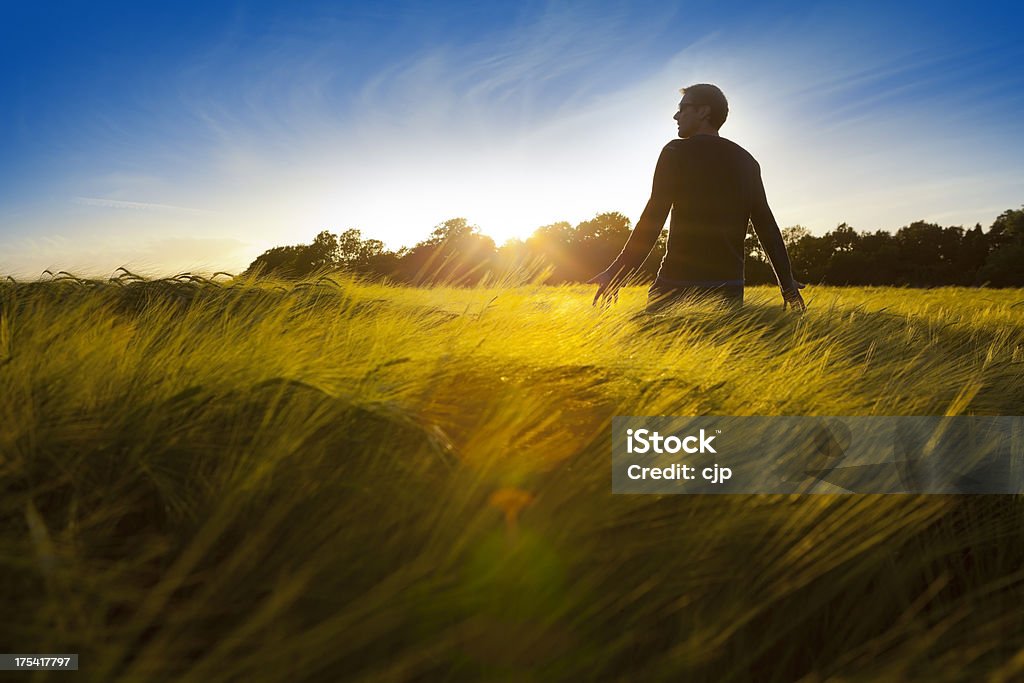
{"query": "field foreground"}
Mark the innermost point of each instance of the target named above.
(335, 480)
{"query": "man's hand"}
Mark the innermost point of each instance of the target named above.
(607, 288)
(791, 297)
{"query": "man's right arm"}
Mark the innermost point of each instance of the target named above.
(652, 220)
(638, 246)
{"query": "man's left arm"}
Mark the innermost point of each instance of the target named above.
(768, 233)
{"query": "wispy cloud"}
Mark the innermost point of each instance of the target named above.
(136, 206)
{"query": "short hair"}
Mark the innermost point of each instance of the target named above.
(711, 95)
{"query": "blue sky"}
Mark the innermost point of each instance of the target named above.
(193, 136)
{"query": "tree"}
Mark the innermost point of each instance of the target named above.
(792, 235)
(552, 245)
(610, 226)
(299, 261)
(918, 251)
(881, 259)
(359, 255)
(972, 255)
(1004, 264)
(1007, 228)
(810, 257)
(323, 252)
(921, 254)
(456, 253)
(326, 252)
(595, 243)
(844, 238)
(452, 230)
(279, 261)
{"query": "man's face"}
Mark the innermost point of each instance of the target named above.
(689, 116)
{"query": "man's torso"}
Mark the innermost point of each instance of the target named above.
(712, 182)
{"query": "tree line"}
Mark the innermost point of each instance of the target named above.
(918, 255)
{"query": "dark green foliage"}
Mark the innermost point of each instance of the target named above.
(457, 253)
(918, 255)
(297, 262)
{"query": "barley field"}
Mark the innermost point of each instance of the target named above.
(235, 480)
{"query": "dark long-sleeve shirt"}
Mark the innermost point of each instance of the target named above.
(714, 188)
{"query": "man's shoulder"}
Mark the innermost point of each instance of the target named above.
(702, 144)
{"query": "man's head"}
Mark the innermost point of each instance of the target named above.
(703, 109)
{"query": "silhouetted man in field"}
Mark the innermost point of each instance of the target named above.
(713, 187)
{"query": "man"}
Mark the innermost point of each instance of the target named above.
(713, 187)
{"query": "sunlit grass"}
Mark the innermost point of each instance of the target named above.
(231, 480)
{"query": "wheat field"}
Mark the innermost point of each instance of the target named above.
(227, 479)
